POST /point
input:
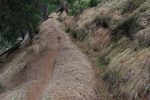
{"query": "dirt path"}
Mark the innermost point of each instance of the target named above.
(73, 76)
(57, 70)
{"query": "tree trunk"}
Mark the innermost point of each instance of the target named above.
(12, 49)
(63, 6)
(31, 34)
(45, 11)
(23, 33)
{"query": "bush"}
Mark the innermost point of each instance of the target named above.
(78, 8)
(128, 28)
(101, 22)
(4, 44)
(78, 34)
(102, 61)
(93, 3)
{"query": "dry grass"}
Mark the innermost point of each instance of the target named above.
(142, 38)
(130, 74)
(128, 57)
(127, 6)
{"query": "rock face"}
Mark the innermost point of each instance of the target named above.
(123, 46)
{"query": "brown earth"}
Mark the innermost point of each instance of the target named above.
(52, 68)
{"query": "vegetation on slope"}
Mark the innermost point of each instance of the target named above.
(117, 32)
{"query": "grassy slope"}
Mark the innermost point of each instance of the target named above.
(117, 34)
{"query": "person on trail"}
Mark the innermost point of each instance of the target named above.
(63, 7)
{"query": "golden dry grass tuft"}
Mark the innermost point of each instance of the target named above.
(128, 74)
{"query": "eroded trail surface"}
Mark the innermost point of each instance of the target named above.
(52, 68)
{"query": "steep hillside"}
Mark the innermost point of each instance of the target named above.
(50, 68)
(116, 35)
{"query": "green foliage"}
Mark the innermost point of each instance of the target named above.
(71, 1)
(51, 8)
(93, 3)
(78, 7)
(102, 61)
(4, 44)
(18, 14)
(52, 5)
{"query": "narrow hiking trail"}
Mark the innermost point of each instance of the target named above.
(55, 70)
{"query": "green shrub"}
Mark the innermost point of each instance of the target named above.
(78, 8)
(93, 3)
(4, 44)
(101, 21)
(51, 7)
(102, 61)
